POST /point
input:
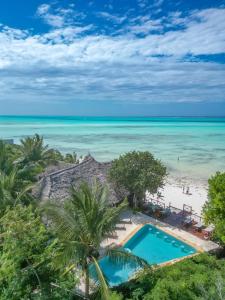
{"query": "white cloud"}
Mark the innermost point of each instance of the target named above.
(142, 3)
(43, 9)
(111, 17)
(55, 20)
(157, 3)
(64, 65)
(145, 26)
(58, 17)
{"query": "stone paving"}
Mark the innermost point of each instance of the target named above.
(126, 230)
(131, 223)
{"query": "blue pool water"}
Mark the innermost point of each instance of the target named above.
(151, 244)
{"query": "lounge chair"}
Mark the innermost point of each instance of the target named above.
(198, 226)
(125, 221)
(208, 232)
(165, 212)
(188, 221)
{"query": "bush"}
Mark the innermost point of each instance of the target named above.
(190, 279)
(27, 254)
(214, 209)
(137, 172)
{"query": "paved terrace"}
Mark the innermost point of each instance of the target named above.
(130, 223)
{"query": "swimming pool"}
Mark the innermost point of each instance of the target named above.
(151, 244)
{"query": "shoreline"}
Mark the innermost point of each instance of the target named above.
(172, 193)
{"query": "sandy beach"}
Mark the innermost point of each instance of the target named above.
(173, 193)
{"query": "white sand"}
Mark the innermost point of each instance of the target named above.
(172, 193)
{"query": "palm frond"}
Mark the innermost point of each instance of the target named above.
(103, 285)
(23, 192)
(62, 220)
(123, 257)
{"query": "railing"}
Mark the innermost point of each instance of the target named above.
(187, 209)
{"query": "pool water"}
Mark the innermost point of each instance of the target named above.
(151, 244)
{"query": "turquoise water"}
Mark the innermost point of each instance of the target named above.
(198, 142)
(151, 244)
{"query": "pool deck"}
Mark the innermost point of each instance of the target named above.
(126, 230)
(139, 219)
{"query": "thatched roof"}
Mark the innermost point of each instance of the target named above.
(56, 185)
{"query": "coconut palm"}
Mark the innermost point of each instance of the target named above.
(71, 158)
(7, 156)
(33, 150)
(13, 190)
(81, 224)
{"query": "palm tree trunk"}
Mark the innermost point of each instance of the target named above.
(87, 281)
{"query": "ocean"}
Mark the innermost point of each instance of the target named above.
(189, 147)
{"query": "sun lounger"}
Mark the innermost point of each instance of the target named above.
(113, 235)
(208, 231)
(121, 226)
(125, 221)
(166, 211)
(198, 226)
(187, 221)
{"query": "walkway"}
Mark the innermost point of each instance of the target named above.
(139, 219)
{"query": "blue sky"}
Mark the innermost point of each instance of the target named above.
(115, 57)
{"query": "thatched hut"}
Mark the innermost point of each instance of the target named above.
(56, 185)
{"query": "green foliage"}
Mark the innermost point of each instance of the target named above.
(81, 224)
(214, 209)
(27, 253)
(137, 172)
(8, 154)
(115, 296)
(55, 155)
(31, 157)
(191, 279)
(137, 288)
(33, 150)
(71, 158)
(13, 190)
(5, 159)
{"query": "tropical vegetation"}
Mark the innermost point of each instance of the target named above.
(45, 250)
(138, 172)
(27, 254)
(201, 277)
(81, 224)
(214, 209)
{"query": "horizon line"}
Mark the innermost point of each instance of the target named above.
(115, 116)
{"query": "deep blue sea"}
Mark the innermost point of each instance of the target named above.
(199, 143)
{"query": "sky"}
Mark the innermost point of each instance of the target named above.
(114, 57)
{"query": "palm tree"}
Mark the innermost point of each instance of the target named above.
(13, 190)
(7, 156)
(71, 158)
(34, 151)
(81, 224)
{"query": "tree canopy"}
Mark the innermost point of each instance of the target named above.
(214, 209)
(33, 150)
(39, 262)
(27, 255)
(137, 172)
(199, 278)
(81, 224)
